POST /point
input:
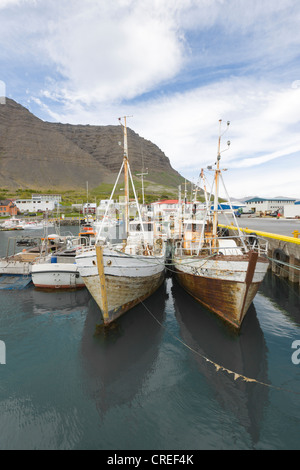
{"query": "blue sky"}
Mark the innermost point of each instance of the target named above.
(176, 67)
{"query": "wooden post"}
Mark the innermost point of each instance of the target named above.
(100, 266)
(293, 273)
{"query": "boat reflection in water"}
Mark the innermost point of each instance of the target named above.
(243, 353)
(45, 302)
(285, 294)
(118, 361)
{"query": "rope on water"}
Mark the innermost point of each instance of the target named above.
(219, 367)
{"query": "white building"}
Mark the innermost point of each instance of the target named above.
(292, 211)
(39, 203)
(265, 205)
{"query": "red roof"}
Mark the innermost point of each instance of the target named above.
(167, 201)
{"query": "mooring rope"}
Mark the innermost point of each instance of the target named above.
(278, 262)
(217, 366)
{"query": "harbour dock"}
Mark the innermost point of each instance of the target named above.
(283, 250)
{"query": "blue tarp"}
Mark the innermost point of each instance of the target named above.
(11, 281)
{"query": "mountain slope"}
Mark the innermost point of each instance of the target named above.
(42, 155)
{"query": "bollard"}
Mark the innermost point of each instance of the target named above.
(295, 233)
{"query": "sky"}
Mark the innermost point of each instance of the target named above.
(176, 67)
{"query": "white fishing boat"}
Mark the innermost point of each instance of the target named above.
(60, 271)
(20, 263)
(220, 270)
(122, 275)
(36, 225)
(12, 224)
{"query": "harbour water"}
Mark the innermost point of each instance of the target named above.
(170, 376)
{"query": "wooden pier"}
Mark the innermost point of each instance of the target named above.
(283, 252)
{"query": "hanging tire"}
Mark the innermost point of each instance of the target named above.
(280, 255)
(253, 239)
(224, 232)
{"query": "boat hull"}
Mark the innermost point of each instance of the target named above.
(20, 263)
(226, 287)
(123, 293)
(56, 276)
(128, 280)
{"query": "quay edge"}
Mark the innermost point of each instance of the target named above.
(283, 252)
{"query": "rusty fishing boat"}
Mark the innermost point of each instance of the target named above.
(121, 275)
(222, 271)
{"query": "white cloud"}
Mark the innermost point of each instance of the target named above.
(8, 3)
(112, 53)
(178, 66)
(264, 127)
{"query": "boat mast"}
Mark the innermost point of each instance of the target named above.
(217, 178)
(216, 199)
(126, 179)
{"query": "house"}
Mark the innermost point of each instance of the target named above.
(8, 207)
(89, 208)
(165, 207)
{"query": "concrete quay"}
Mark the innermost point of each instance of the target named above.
(283, 249)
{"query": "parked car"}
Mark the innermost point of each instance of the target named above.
(275, 214)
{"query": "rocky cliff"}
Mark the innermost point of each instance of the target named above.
(42, 155)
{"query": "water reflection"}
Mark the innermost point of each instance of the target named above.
(244, 354)
(284, 293)
(116, 364)
(59, 300)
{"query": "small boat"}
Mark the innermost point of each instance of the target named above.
(20, 263)
(87, 235)
(35, 225)
(12, 224)
(60, 271)
(119, 276)
(220, 270)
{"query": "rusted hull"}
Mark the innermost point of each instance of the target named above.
(228, 294)
(123, 293)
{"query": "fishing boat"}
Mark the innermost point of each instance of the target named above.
(60, 271)
(57, 272)
(20, 263)
(221, 271)
(119, 276)
(35, 225)
(12, 224)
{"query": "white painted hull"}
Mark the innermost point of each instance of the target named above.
(128, 279)
(120, 264)
(56, 276)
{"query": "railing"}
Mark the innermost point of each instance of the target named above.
(233, 245)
